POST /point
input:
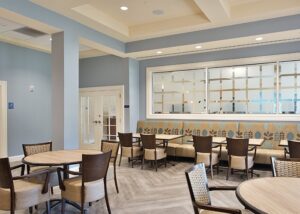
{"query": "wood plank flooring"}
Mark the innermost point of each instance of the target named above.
(149, 192)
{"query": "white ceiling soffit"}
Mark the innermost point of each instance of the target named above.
(154, 18)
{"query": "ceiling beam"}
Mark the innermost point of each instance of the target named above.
(215, 10)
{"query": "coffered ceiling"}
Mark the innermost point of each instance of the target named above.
(21, 35)
(154, 18)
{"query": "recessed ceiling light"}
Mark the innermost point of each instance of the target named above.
(198, 47)
(258, 38)
(158, 12)
(124, 8)
(159, 52)
(50, 38)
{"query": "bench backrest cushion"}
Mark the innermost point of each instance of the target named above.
(161, 127)
(272, 132)
(209, 128)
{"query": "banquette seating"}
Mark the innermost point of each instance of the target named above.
(272, 132)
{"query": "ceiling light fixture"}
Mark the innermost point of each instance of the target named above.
(158, 12)
(258, 38)
(198, 47)
(159, 52)
(124, 8)
(50, 38)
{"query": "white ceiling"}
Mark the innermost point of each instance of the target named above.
(179, 16)
(42, 43)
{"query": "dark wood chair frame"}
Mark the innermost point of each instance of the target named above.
(7, 181)
(35, 144)
(204, 144)
(243, 150)
(274, 159)
(126, 140)
(293, 149)
(114, 159)
(210, 207)
(149, 142)
(88, 175)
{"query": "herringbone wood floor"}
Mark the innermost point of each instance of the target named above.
(149, 192)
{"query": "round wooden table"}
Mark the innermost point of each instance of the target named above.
(274, 195)
(58, 158)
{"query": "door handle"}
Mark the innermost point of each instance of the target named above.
(97, 121)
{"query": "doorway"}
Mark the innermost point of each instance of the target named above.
(101, 115)
(3, 119)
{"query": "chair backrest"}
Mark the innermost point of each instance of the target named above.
(294, 149)
(197, 183)
(237, 146)
(94, 167)
(112, 146)
(148, 141)
(202, 144)
(31, 149)
(286, 167)
(5, 174)
(125, 139)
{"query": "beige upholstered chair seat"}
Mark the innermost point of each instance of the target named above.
(238, 162)
(150, 154)
(137, 151)
(93, 190)
(27, 194)
(204, 158)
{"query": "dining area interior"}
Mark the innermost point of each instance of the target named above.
(153, 106)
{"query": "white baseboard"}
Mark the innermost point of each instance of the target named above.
(16, 158)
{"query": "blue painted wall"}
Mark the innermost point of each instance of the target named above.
(283, 48)
(30, 121)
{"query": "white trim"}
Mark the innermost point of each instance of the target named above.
(3, 122)
(16, 158)
(119, 88)
(220, 63)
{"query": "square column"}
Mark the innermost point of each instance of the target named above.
(65, 90)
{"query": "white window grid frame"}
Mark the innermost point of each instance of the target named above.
(277, 59)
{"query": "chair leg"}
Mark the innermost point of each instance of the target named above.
(196, 211)
(30, 210)
(218, 168)
(52, 191)
(120, 158)
(63, 205)
(90, 204)
(132, 162)
(165, 162)
(115, 178)
(155, 165)
(227, 176)
(106, 197)
(252, 172)
(48, 208)
(143, 161)
(212, 171)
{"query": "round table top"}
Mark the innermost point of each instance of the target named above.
(271, 195)
(58, 158)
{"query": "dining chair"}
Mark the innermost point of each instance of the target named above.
(285, 167)
(151, 151)
(200, 192)
(238, 156)
(113, 146)
(19, 192)
(293, 149)
(128, 149)
(31, 149)
(203, 146)
(88, 185)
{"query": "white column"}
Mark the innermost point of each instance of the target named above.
(65, 90)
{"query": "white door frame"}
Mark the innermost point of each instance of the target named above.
(3, 123)
(119, 88)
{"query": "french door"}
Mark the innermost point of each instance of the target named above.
(101, 115)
